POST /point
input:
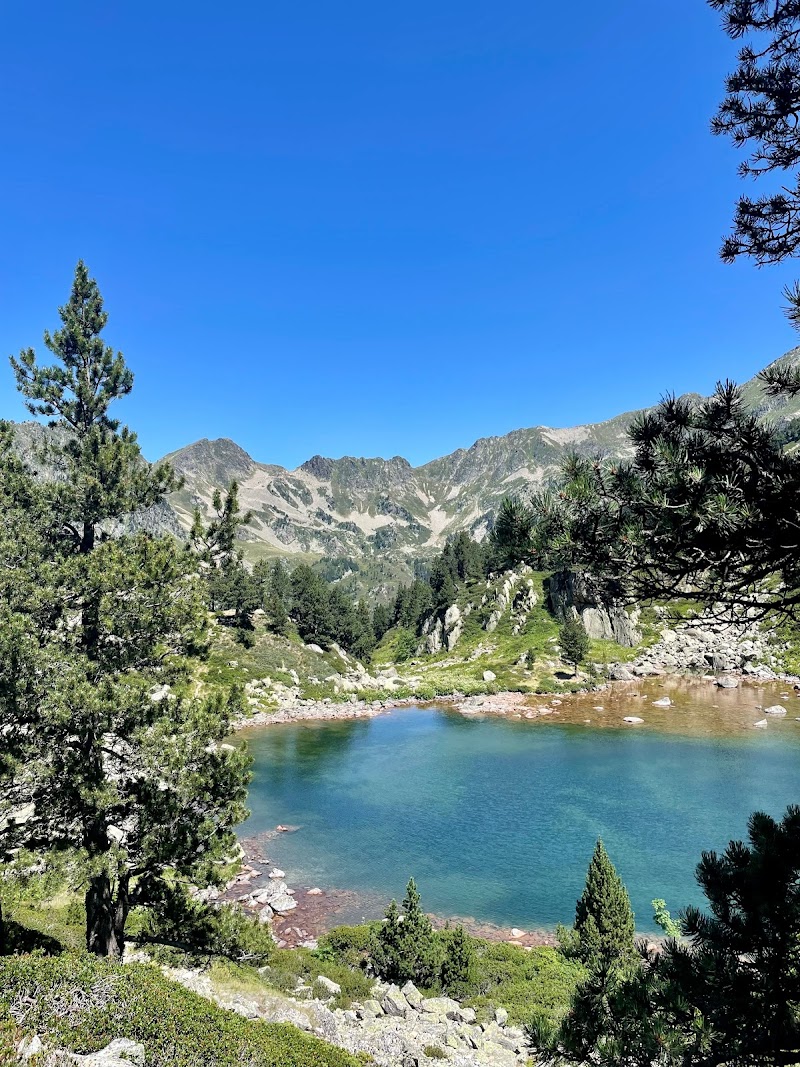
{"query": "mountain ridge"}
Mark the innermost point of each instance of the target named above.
(387, 509)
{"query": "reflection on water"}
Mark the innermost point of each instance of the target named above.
(496, 818)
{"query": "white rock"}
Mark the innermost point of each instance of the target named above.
(662, 702)
(489, 676)
(761, 723)
(632, 719)
(778, 710)
(500, 1016)
(275, 873)
(515, 932)
(332, 987)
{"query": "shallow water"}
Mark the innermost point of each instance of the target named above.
(496, 818)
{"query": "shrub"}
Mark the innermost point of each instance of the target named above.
(209, 930)
(82, 1004)
(346, 944)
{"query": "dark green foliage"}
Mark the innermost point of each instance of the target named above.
(104, 760)
(83, 1004)
(381, 620)
(205, 930)
(511, 534)
(405, 947)
(603, 917)
(729, 996)
(573, 641)
(458, 965)
(710, 501)
(311, 605)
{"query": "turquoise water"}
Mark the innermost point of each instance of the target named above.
(497, 819)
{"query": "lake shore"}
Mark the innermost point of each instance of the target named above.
(513, 705)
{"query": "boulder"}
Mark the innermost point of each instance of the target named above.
(394, 1003)
(761, 724)
(778, 710)
(328, 985)
(632, 719)
(282, 902)
(412, 995)
(662, 702)
(727, 681)
(440, 1005)
(500, 1016)
(489, 676)
(620, 674)
(371, 1009)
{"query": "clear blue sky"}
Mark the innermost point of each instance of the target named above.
(376, 229)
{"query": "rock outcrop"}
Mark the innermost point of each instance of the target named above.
(571, 593)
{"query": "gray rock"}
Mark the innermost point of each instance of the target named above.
(727, 681)
(440, 1005)
(331, 987)
(412, 995)
(500, 1016)
(394, 1003)
(778, 710)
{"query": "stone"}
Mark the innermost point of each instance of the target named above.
(778, 710)
(762, 723)
(662, 702)
(394, 1003)
(489, 676)
(412, 995)
(371, 1009)
(330, 986)
(632, 719)
(440, 1005)
(515, 932)
(727, 681)
(315, 892)
(282, 902)
(29, 1047)
(265, 914)
(275, 873)
(620, 674)
(500, 1016)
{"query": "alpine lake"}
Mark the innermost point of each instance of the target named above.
(496, 817)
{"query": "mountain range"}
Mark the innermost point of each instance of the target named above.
(382, 514)
(356, 507)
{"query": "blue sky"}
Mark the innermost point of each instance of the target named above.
(376, 229)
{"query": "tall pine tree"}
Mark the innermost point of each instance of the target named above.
(133, 780)
(603, 917)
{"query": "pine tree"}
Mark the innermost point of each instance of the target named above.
(727, 995)
(511, 534)
(405, 947)
(310, 605)
(573, 642)
(603, 916)
(118, 770)
(459, 962)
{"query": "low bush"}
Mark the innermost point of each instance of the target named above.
(82, 1004)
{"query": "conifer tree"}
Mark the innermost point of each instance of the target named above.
(133, 780)
(511, 534)
(459, 962)
(310, 605)
(405, 947)
(603, 916)
(573, 642)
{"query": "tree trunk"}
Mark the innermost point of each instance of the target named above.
(2, 931)
(106, 916)
(91, 607)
